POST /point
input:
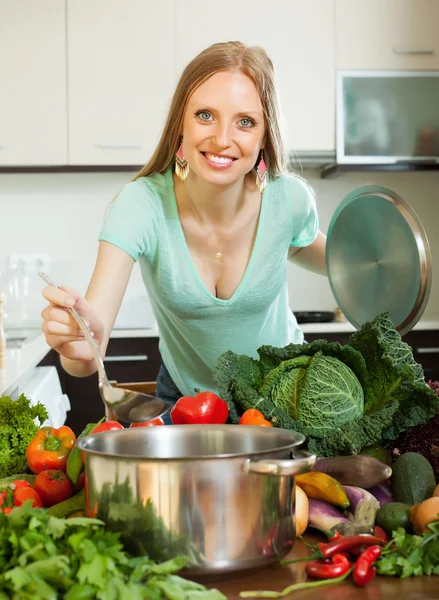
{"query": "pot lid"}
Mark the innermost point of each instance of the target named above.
(378, 258)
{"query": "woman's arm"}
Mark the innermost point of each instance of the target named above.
(312, 257)
(105, 294)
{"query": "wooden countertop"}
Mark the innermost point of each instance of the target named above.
(277, 578)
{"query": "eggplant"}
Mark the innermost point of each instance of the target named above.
(324, 516)
(383, 493)
(364, 506)
(357, 470)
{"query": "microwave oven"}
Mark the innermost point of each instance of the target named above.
(387, 117)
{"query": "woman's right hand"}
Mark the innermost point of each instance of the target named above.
(60, 329)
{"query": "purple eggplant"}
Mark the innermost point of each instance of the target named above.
(324, 516)
(364, 505)
(382, 492)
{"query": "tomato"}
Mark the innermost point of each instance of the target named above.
(254, 417)
(23, 494)
(53, 487)
(107, 426)
(158, 421)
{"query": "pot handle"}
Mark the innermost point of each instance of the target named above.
(301, 463)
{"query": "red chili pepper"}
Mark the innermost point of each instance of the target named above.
(363, 570)
(380, 533)
(347, 543)
(334, 535)
(337, 566)
(204, 408)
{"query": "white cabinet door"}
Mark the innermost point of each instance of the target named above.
(33, 127)
(299, 38)
(121, 75)
(387, 34)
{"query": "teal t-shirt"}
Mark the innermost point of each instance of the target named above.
(194, 326)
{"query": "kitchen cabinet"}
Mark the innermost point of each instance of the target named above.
(299, 38)
(33, 112)
(387, 34)
(128, 360)
(121, 74)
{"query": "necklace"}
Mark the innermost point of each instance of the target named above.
(219, 254)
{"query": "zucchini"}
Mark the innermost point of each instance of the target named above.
(413, 478)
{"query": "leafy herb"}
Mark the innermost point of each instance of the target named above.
(46, 558)
(409, 555)
(17, 429)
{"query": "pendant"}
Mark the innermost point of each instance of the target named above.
(219, 256)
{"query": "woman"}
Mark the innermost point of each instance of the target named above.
(212, 219)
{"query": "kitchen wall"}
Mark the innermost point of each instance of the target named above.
(62, 214)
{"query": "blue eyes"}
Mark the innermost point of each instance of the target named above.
(206, 116)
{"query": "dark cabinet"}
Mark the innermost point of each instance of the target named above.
(127, 360)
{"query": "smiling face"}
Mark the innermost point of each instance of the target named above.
(223, 128)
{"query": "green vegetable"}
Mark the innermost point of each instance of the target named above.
(409, 555)
(68, 507)
(320, 392)
(396, 396)
(393, 516)
(17, 430)
(413, 478)
(46, 558)
(74, 460)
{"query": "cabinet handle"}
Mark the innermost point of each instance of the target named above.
(119, 146)
(413, 51)
(431, 350)
(126, 358)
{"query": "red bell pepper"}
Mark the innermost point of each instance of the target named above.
(50, 448)
(206, 408)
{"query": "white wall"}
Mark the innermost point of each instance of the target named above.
(62, 214)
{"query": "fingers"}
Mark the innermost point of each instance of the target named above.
(59, 296)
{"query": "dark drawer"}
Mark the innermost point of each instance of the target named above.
(133, 359)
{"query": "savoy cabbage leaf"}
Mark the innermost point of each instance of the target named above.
(319, 391)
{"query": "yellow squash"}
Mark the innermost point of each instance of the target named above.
(323, 487)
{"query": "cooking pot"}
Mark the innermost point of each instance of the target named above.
(219, 494)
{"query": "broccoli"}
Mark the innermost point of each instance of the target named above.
(17, 429)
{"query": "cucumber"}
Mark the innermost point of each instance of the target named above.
(379, 453)
(413, 479)
(393, 515)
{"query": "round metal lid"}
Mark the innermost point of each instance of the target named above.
(378, 258)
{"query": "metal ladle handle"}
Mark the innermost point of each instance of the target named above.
(80, 321)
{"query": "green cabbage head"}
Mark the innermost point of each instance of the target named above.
(319, 391)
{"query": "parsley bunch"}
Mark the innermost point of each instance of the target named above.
(17, 430)
(409, 555)
(46, 558)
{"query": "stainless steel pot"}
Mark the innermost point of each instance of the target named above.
(221, 494)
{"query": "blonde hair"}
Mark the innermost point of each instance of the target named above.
(226, 56)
